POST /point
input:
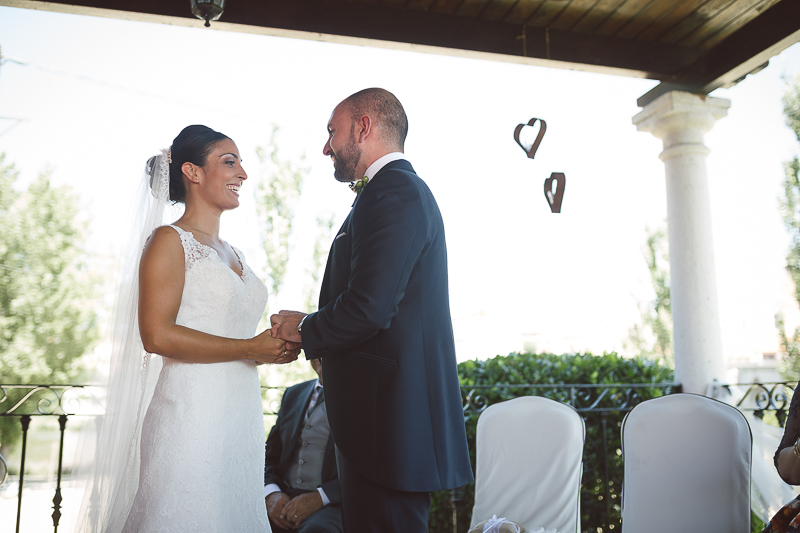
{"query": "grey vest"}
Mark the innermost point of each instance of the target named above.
(305, 468)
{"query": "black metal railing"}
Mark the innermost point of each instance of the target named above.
(601, 406)
(25, 402)
(763, 398)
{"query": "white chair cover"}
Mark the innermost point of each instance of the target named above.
(529, 457)
(687, 466)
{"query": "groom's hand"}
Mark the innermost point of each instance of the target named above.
(275, 504)
(301, 507)
(284, 326)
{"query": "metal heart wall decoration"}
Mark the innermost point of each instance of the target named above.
(554, 197)
(531, 151)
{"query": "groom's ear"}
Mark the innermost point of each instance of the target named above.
(363, 128)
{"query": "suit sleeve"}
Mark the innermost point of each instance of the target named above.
(274, 449)
(332, 490)
(389, 234)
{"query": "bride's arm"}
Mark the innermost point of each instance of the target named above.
(161, 279)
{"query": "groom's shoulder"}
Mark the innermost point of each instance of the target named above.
(398, 175)
(398, 167)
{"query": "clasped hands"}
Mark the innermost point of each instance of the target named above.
(284, 327)
(289, 513)
(279, 345)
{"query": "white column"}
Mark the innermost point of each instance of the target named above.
(681, 120)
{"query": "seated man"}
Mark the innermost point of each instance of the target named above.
(301, 483)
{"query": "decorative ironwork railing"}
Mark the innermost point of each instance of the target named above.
(25, 402)
(63, 401)
(585, 398)
(601, 406)
(763, 398)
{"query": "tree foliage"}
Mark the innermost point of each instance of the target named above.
(652, 338)
(321, 247)
(46, 293)
(277, 196)
(276, 199)
(790, 211)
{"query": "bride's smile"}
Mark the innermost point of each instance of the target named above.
(222, 171)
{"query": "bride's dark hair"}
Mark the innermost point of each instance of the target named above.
(192, 145)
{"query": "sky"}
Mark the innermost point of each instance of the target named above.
(98, 96)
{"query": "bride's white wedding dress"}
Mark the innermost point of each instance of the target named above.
(202, 445)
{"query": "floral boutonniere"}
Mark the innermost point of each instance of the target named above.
(358, 185)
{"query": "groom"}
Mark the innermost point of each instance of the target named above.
(384, 329)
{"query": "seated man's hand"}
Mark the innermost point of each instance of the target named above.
(301, 507)
(275, 504)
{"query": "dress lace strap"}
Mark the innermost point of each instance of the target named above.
(193, 251)
(180, 231)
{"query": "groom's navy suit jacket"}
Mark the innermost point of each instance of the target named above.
(284, 437)
(384, 334)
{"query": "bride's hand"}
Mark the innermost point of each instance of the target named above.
(268, 350)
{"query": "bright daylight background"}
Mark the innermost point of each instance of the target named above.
(99, 96)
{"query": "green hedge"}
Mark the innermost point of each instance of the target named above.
(550, 369)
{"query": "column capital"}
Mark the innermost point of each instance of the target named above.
(678, 111)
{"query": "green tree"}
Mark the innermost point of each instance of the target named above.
(47, 320)
(790, 211)
(321, 246)
(278, 193)
(652, 338)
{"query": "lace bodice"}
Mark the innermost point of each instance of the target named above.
(215, 299)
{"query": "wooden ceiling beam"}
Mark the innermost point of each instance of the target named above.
(386, 22)
(676, 67)
(745, 52)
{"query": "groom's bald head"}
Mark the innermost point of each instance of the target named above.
(385, 110)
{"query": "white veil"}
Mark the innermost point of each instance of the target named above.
(127, 379)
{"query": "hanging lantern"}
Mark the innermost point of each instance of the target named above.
(207, 10)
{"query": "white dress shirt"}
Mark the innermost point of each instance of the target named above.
(382, 162)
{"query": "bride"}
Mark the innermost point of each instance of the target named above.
(182, 444)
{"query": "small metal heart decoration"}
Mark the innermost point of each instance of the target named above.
(535, 146)
(554, 195)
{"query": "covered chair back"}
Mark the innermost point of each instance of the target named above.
(687, 466)
(529, 454)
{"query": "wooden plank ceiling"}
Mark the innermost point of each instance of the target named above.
(692, 45)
